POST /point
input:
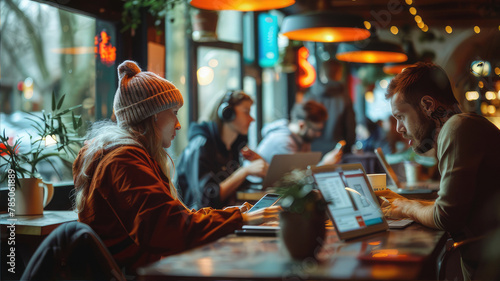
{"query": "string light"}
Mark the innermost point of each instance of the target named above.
(413, 11)
(394, 30)
(477, 29)
(490, 95)
(448, 29)
(471, 95)
(367, 24)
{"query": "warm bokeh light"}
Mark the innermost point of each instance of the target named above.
(448, 29)
(477, 29)
(490, 95)
(413, 11)
(484, 108)
(471, 95)
(205, 75)
(491, 109)
(328, 34)
(425, 28)
(182, 79)
(367, 24)
(394, 30)
(369, 97)
(383, 84)
(409, 2)
(418, 19)
(480, 84)
(421, 24)
(497, 70)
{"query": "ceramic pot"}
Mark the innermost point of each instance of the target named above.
(32, 195)
(302, 234)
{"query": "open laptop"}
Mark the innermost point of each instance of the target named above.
(284, 163)
(353, 206)
(396, 184)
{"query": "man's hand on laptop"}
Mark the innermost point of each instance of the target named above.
(262, 216)
(392, 204)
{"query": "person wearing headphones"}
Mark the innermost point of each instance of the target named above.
(209, 168)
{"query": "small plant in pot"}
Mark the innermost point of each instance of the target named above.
(20, 157)
(302, 221)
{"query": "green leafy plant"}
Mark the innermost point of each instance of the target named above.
(297, 192)
(132, 11)
(50, 130)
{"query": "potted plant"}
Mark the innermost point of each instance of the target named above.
(302, 221)
(53, 138)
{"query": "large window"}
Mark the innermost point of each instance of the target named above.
(46, 50)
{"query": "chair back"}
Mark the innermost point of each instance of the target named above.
(73, 251)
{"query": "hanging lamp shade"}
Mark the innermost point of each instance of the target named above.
(395, 68)
(374, 51)
(241, 5)
(324, 26)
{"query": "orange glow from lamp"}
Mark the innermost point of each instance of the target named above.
(241, 5)
(375, 51)
(324, 26)
(307, 73)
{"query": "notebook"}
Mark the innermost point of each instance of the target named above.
(353, 206)
(396, 184)
(284, 163)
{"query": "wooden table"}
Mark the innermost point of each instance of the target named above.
(30, 231)
(264, 258)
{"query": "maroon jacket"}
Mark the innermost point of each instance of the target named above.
(130, 207)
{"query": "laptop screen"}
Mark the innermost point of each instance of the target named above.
(352, 205)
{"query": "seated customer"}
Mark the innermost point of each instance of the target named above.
(466, 146)
(209, 169)
(122, 178)
(283, 137)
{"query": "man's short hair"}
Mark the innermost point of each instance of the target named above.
(420, 80)
(312, 111)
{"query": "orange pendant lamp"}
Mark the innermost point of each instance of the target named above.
(241, 5)
(324, 26)
(371, 51)
(396, 68)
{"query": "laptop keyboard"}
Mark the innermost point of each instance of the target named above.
(399, 223)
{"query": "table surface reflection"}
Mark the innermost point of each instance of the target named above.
(244, 257)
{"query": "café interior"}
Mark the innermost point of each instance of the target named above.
(341, 53)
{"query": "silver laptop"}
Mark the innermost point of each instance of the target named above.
(396, 184)
(284, 163)
(352, 204)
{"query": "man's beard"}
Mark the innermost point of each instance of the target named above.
(306, 138)
(425, 134)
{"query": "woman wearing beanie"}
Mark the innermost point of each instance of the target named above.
(209, 169)
(122, 180)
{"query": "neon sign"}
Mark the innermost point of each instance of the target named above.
(307, 73)
(104, 49)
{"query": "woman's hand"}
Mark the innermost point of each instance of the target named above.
(249, 154)
(261, 216)
(257, 168)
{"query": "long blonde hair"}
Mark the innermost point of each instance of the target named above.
(104, 135)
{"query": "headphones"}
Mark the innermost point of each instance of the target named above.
(226, 111)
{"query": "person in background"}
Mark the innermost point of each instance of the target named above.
(284, 137)
(209, 168)
(122, 178)
(466, 146)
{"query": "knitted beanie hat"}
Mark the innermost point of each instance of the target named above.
(141, 94)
